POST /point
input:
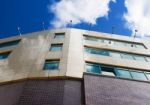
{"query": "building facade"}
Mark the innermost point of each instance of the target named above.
(74, 67)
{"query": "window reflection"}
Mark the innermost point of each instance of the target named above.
(51, 65)
(114, 42)
(116, 54)
(116, 71)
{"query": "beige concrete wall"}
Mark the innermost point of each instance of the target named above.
(75, 64)
(27, 58)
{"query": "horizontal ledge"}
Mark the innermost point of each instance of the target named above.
(41, 78)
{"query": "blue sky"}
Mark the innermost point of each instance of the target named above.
(29, 15)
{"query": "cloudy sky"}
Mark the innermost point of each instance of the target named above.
(124, 15)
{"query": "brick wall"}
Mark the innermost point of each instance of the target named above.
(101, 90)
(41, 92)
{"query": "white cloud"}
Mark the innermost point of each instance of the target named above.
(138, 16)
(78, 11)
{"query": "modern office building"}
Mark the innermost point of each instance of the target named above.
(74, 67)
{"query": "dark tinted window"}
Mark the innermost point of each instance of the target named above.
(11, 43)
(51, 65)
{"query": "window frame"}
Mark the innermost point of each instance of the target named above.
(130, 72)
(4, 56)
(136, 71)
(51, 62)
(148, 77)
(54, 46)
(10, 43)
(91, 64)
(122, 69)
(112, 71)
(115, 42)
(59, 34)
(109, 53)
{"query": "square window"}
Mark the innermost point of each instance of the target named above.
(93, 68)
(138, 75)
(51, 65)
(120, 72)
(56, 47)
(59, 35)
(4, 55)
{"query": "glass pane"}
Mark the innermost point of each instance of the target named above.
(148, 59)
(108, 73)
(56, 47)
(90, 38)
(101, 40)
(93, 68)
(6, 44)
(139, 58)
(115, 43)
(119, 43)
(140, 46)
(148, 75)
(97, 51)
(120, 72)
(59, 36)
(138, 75)
(51, 65)
(88, 50)
(126, 56)
(123, 43)
(115, 55)
(106, 41)
(103, 52)
(4, 55)
(107, 70)
(128, 44)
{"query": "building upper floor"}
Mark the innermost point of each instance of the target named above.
(66, 52)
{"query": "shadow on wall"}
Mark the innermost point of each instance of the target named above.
(30, 51)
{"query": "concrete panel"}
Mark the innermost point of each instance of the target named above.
(75, 66)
